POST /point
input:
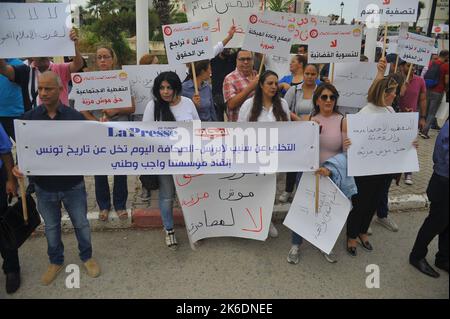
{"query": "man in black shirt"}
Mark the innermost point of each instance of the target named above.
(51, 191)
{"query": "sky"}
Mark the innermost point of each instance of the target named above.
(318, 7)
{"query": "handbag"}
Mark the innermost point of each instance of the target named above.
(14, 231)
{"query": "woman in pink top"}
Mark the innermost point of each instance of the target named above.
(333, 140)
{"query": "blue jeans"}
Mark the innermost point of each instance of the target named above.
(166, 195)
(120, 192)
(75, 202)
(433, 102)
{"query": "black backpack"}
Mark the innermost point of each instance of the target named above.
(433, 75)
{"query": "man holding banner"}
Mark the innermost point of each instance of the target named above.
(51, 191)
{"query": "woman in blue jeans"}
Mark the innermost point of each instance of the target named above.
(168, 105)
(106, 61)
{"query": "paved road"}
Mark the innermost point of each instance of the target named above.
(136, 264)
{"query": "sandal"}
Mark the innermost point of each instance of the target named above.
(103, 215)
(122, 214)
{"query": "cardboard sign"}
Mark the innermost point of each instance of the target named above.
(383, 11)
(416, 49)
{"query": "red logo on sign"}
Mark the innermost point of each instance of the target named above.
(333, 44)
(77, 79)
(253, 19)
(168, 31)
(437, 29)
(313, 33)
(386, 2)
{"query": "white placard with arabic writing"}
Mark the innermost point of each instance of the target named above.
(382, 143)
(393, 40)
(141, 81)
(137, 148)
(278, 64)
(221, 15)
(335, 44)
(188, 42)
(35, 30)
(416, 49)
(322, 229)
(388, 10)
(353, 80)
(231, 205)
(269, 33)
(304, 24)
(101, 90)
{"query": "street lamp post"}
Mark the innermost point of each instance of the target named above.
(342, 9)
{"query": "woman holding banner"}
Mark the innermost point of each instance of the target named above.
(333, 143)
(106, 61)
(204, 99)
(299, 99)
(381, 95)
(168, 105)
(265, 106)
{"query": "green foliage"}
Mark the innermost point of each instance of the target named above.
(279, 5)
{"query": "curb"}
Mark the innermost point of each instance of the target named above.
(145, 218)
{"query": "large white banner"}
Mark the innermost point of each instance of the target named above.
(188, 42)
(321, 229)
(382, 143)
(35, 30)
(416, 49)
(353, 80)
(236, 205)
(335, 44)
(141, 81)
(136, 148)
(101, 90)
(269, 33)
(388, 11)
(221, 15)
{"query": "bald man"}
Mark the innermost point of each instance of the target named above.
(51, 191)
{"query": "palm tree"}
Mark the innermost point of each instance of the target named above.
(163, 8)
(420, 7)
(280, 5)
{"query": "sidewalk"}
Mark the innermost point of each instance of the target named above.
(146, 214)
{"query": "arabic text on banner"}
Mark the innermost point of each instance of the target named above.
(226, 205)
(388, 10)
(416, 49)
(35, 30)
(145, 148)
(382, 143)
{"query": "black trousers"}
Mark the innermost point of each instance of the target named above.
(291, 179)
(436, 223)
(365, 203)
(10, 257)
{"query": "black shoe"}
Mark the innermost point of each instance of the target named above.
(423, 266)
(351, 251)
(365, 244)
(442, 265)
(12, 282)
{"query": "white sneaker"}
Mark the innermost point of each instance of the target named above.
(388, 223)
(369, 231)
(331, 257)
(171, 240)
(408, 180)
(284, 197)
(294, 255)
(273, 232)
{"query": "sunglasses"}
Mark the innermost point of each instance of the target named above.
(326, 97)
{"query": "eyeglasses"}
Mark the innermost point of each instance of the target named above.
(326, 97)
(245, 59)
(104, 57)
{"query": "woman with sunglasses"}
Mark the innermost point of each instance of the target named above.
(168, 105)
(265, 106)
(381, 95)
(106, 61)
(299, 99)
(333, 141)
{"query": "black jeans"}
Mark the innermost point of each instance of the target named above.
(10, 257)
(436, 223)
(370, 190)
(291, 179)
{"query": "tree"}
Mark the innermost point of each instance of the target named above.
(163, 9)
(280, 5)
(420, 7)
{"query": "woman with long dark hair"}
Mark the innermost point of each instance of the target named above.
(265, 106)
(168, 105)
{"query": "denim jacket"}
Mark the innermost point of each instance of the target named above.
(338, 168)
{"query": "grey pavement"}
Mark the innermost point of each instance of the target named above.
(137, 264)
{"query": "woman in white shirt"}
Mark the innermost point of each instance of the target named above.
(265, 106)
(168, 105)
